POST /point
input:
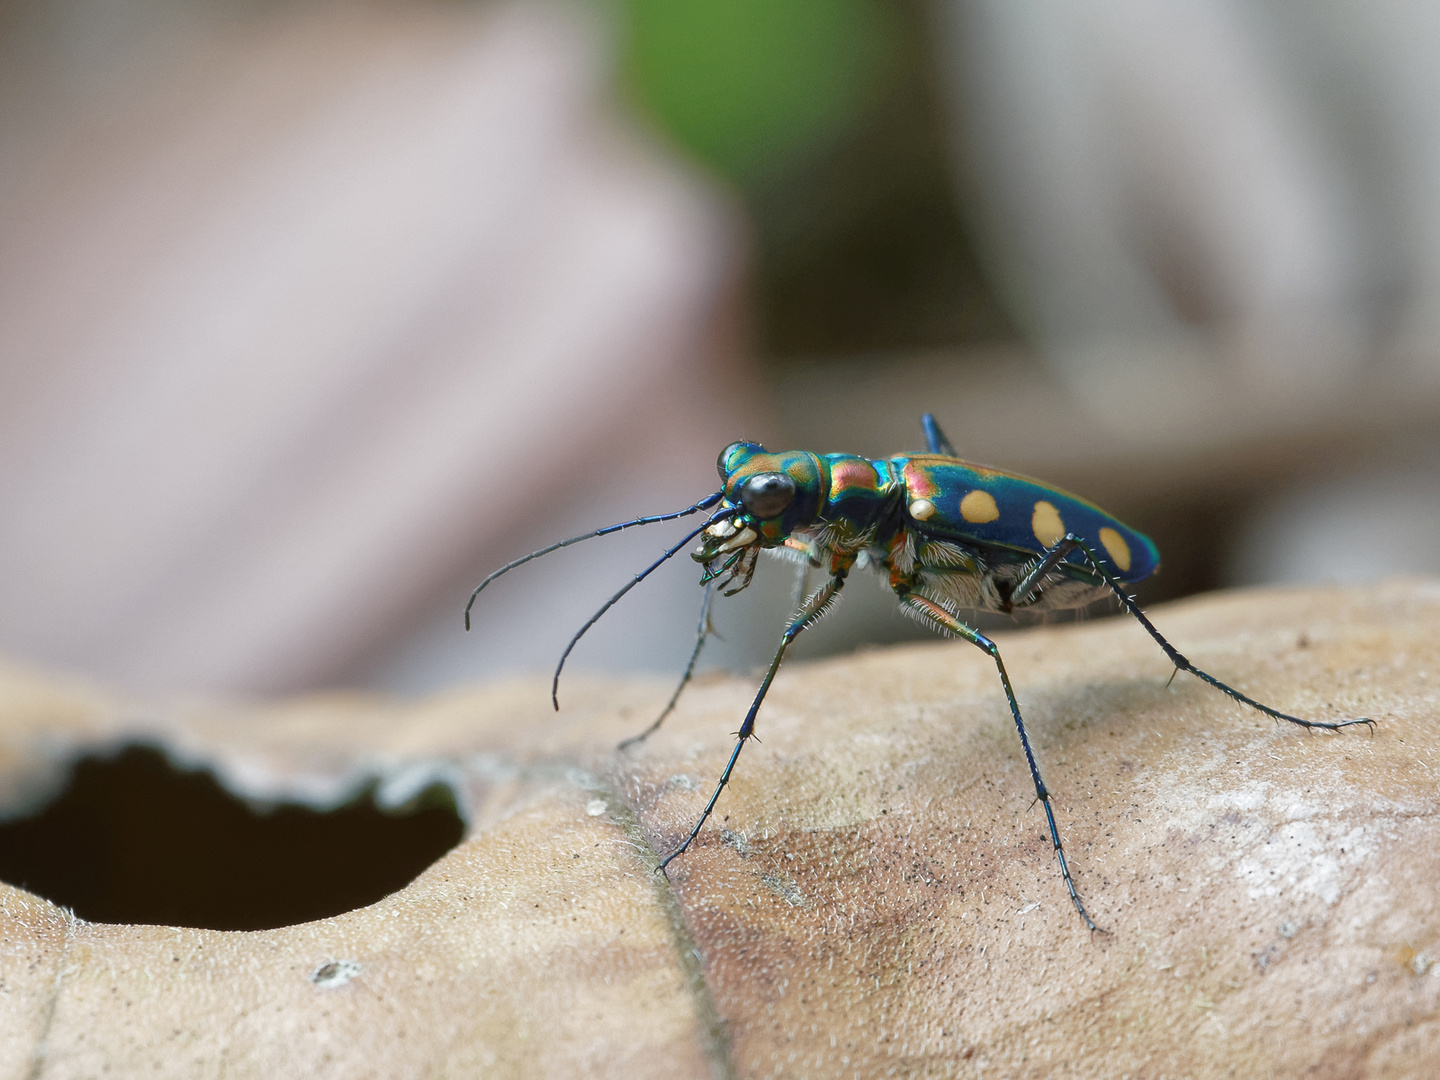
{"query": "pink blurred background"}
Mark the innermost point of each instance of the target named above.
(311, 314)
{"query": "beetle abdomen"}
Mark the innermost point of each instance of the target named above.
(975, 504)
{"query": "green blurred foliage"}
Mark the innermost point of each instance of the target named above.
(754, 87)
(823, 116)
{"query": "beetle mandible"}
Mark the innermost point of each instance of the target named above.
(952, 536)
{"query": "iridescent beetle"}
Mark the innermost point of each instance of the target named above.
(952, 536)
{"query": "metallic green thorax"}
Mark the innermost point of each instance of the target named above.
(848, 501)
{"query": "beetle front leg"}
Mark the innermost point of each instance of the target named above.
(703, 631)
(811, 610)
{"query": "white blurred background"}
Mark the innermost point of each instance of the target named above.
(311, 314)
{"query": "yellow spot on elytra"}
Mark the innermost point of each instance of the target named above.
(1046, 523)
(921, 509)
(1115, 545)
(979, 507)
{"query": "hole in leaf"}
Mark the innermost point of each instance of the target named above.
(133, 839)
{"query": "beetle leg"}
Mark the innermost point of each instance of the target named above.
(808, 613)
(803, 547)
(802, 585)
(936, 615)
(703, 631)
(1070, 542)
(1027, 589)
(935, 440)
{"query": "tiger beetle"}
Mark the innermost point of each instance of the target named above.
(952, 536)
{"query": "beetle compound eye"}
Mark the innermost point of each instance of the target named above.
(734, 457)
(767, 495)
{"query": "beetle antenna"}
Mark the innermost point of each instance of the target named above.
(719, 515)
(703, 504)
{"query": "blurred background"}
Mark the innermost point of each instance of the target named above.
(313, 313)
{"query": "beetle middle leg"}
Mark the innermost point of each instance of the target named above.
(933, 613)
(1070, 542)
(808, 613)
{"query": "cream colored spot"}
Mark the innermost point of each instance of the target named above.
(921, 509)
(743, 538)
(1046, 523)
(1115, 545)
(978, 507)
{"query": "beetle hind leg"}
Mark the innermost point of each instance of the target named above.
(1071, 542)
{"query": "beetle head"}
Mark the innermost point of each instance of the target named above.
(773, 495)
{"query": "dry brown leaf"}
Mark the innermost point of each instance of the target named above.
(876, 895)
